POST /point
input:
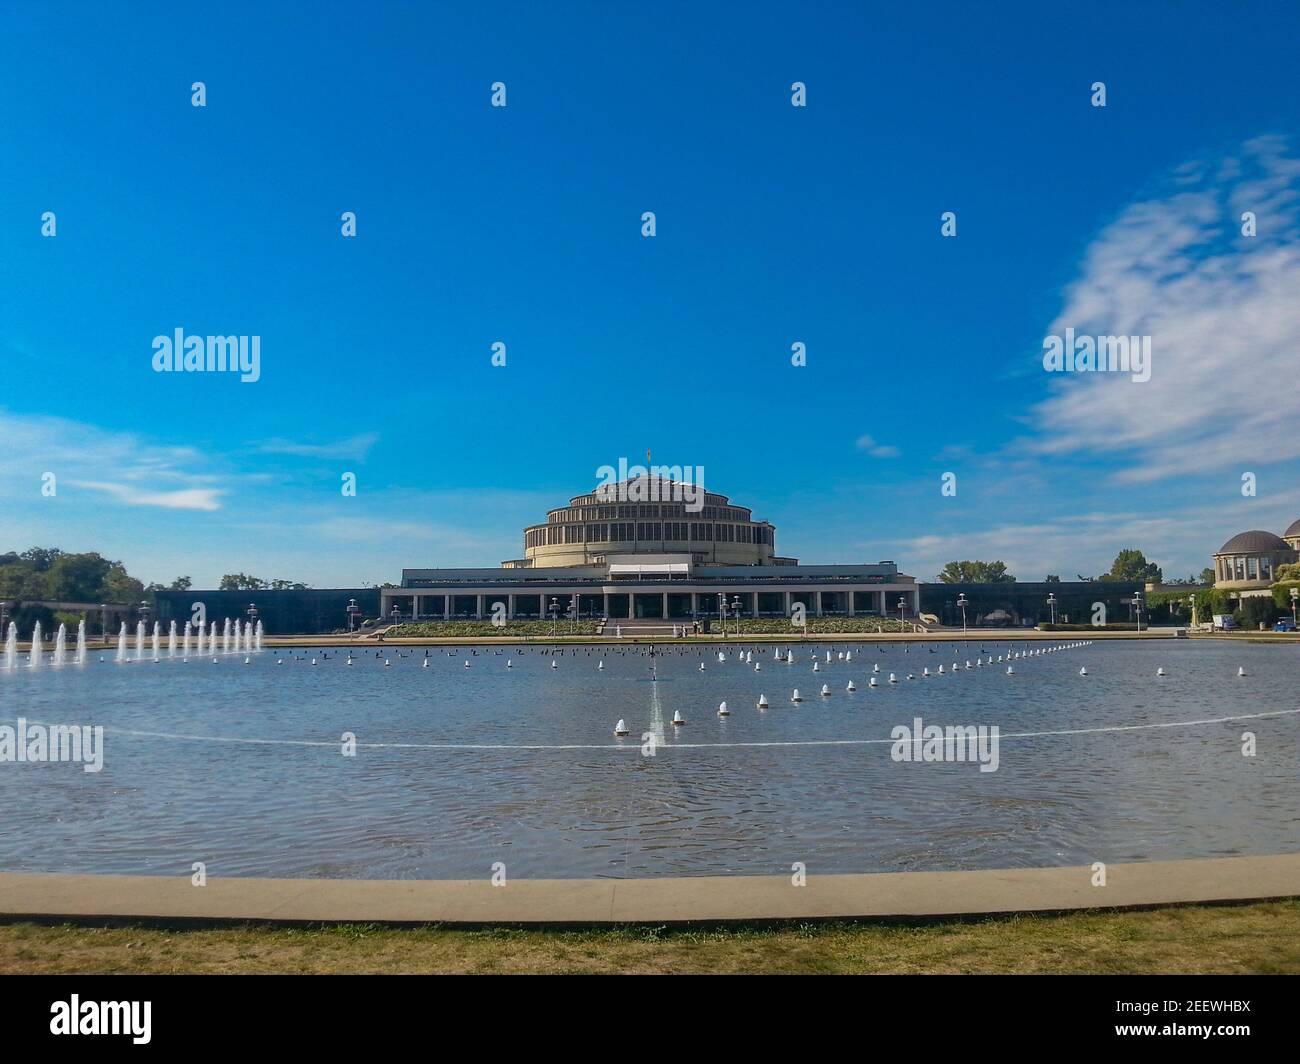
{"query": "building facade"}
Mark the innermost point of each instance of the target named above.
(1013, 604)
(307, 611)
(1249, 561)
(650, 554)
(655, 587)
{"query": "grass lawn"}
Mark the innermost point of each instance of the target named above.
(1258, 938)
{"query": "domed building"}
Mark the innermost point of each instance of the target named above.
(614, 526)
(653, 550)
(1292, 535)
(1249, 561)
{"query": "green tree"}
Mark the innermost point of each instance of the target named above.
(241, 582)
(1289, 573)
(976, 573)
(41, 558)
(182, 583)
(1050, 579)
(77, 577)
(1132, 565)
(51, 574)
(120, 586)
(1282, 593)
(19, 580)
(1257, 610)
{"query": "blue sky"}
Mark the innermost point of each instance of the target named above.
(522, 224)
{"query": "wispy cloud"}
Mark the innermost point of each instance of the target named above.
(131, 495)
(1223, 312)
(876, 450)
(125, 466)
(1180, 540)
(353, 447)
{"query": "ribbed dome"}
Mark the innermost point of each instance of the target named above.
(1254, 542)
(1293, 531)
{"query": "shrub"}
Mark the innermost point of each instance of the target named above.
(1257, 610)
(474, 629)
(816, 625)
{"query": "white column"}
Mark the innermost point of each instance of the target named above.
(817, 602)
(478, 607)
(604, 609)
(787, 602)
(415, 607)
(755, 603)
(446, 607)
(665, 604)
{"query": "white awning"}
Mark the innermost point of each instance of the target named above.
(649, 570)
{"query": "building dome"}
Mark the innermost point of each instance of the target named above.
(1293, 532)
(1253, 542)
(649, 516)
(1249, 561)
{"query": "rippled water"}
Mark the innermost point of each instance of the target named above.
(558, 796)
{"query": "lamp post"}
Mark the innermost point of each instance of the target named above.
(1051, 602)
(1191, 601)
(902, 606)
(103, 620)
(555, 614)
(352, 611)
(735, 610)
(396, 614)
(252, 614)
(1137, 609)
(1295, 596)
(144, 611)
(4, 615)
(961, 601)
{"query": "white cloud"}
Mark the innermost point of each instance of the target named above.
(353, 447)
(184, 499)
(1223, 312)
(876, 450)
(128, 468)
(1180, 541)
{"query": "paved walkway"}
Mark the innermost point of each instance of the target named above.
(584, 901)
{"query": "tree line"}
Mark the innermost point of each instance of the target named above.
(52, 575)
(1130, 565)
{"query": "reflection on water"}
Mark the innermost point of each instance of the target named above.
(598, 808)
